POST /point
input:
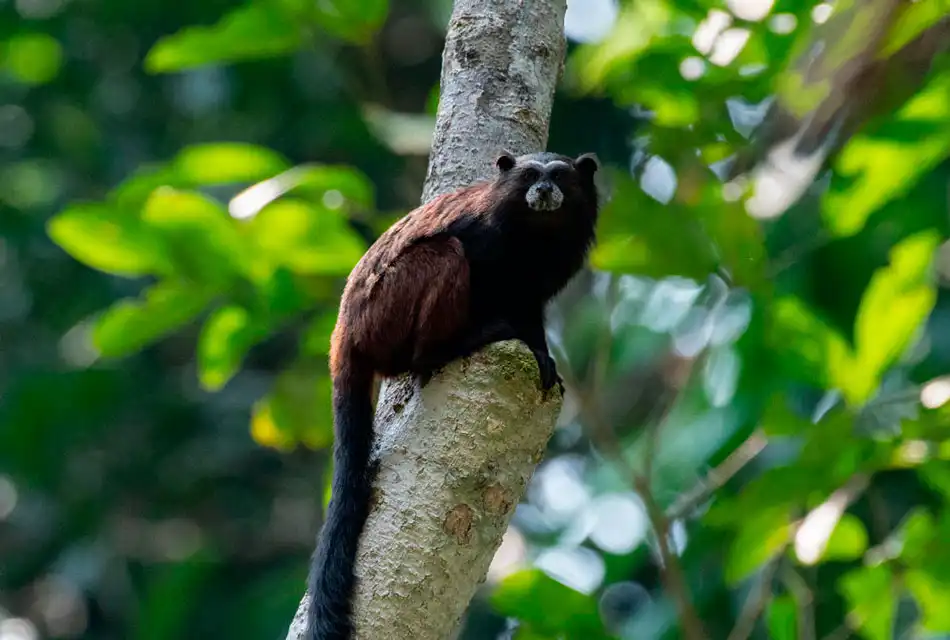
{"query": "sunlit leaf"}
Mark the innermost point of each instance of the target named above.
(226, 336)
(914, 18)
(895, 304)
(203, 240)
(848, 541)
(547, 605)
(254, 30)
(131, 324)
(635, 29)
(880, 166)
(224, 162)
(31, 58)
(306, 238)
(932, 595)
(109, 240)
(872, 600)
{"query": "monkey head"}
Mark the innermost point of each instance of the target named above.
(546, 180)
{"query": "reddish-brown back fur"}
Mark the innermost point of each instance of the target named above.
(409, 293)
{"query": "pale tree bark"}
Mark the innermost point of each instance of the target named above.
(456, 456)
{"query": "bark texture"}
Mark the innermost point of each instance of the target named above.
(456, 457)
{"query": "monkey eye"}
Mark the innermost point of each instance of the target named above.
(557, 174)
(531, 175)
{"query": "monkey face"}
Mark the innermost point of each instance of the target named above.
(546, 180)
(544, 195)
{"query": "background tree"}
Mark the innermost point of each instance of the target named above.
(152, 478)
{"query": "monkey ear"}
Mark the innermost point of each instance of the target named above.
(505, 162)
(587, 163)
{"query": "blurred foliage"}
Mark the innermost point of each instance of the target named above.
(183, 189)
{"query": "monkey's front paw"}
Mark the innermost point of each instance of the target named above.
(548, 372)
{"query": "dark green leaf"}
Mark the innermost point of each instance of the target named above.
(255, 30)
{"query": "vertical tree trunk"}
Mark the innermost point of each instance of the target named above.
(456, 457)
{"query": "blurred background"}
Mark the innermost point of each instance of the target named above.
(183, 189)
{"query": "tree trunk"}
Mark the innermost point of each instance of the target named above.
(456, 457)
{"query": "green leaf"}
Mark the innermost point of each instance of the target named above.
(108, 240)
(316, 338)
(353, 21)
(914, 18)
(131, 324)
(848, 540)
(255, 30)
(932, 595)
(201, 238)
(782, 618)
(761, 537)
(306, 238)
(227, 335)
(548, 606)
(872, 602)
(877, 167)
(298, 409)
(226, 162)
(893, 308)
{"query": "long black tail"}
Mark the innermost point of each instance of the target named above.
(331, 576)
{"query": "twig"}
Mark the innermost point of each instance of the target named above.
(755, 604)
(718, 476)
(804, 600)
(671, 573)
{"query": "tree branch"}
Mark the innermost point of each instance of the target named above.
(456, 457)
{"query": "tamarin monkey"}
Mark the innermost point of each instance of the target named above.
(469, 268)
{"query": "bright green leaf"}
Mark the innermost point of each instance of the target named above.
(225, 162)
(227, 335)
(897, 301)
(872, 600)
(255, 30)
(109, 240)
(131, 324)
(880, 166)
(307, 239)
(761, 537)
(782, 618)
(202, 239)
(932, 595)
(33, 58)
(848, 540)
(548, 606)
(914, 18)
